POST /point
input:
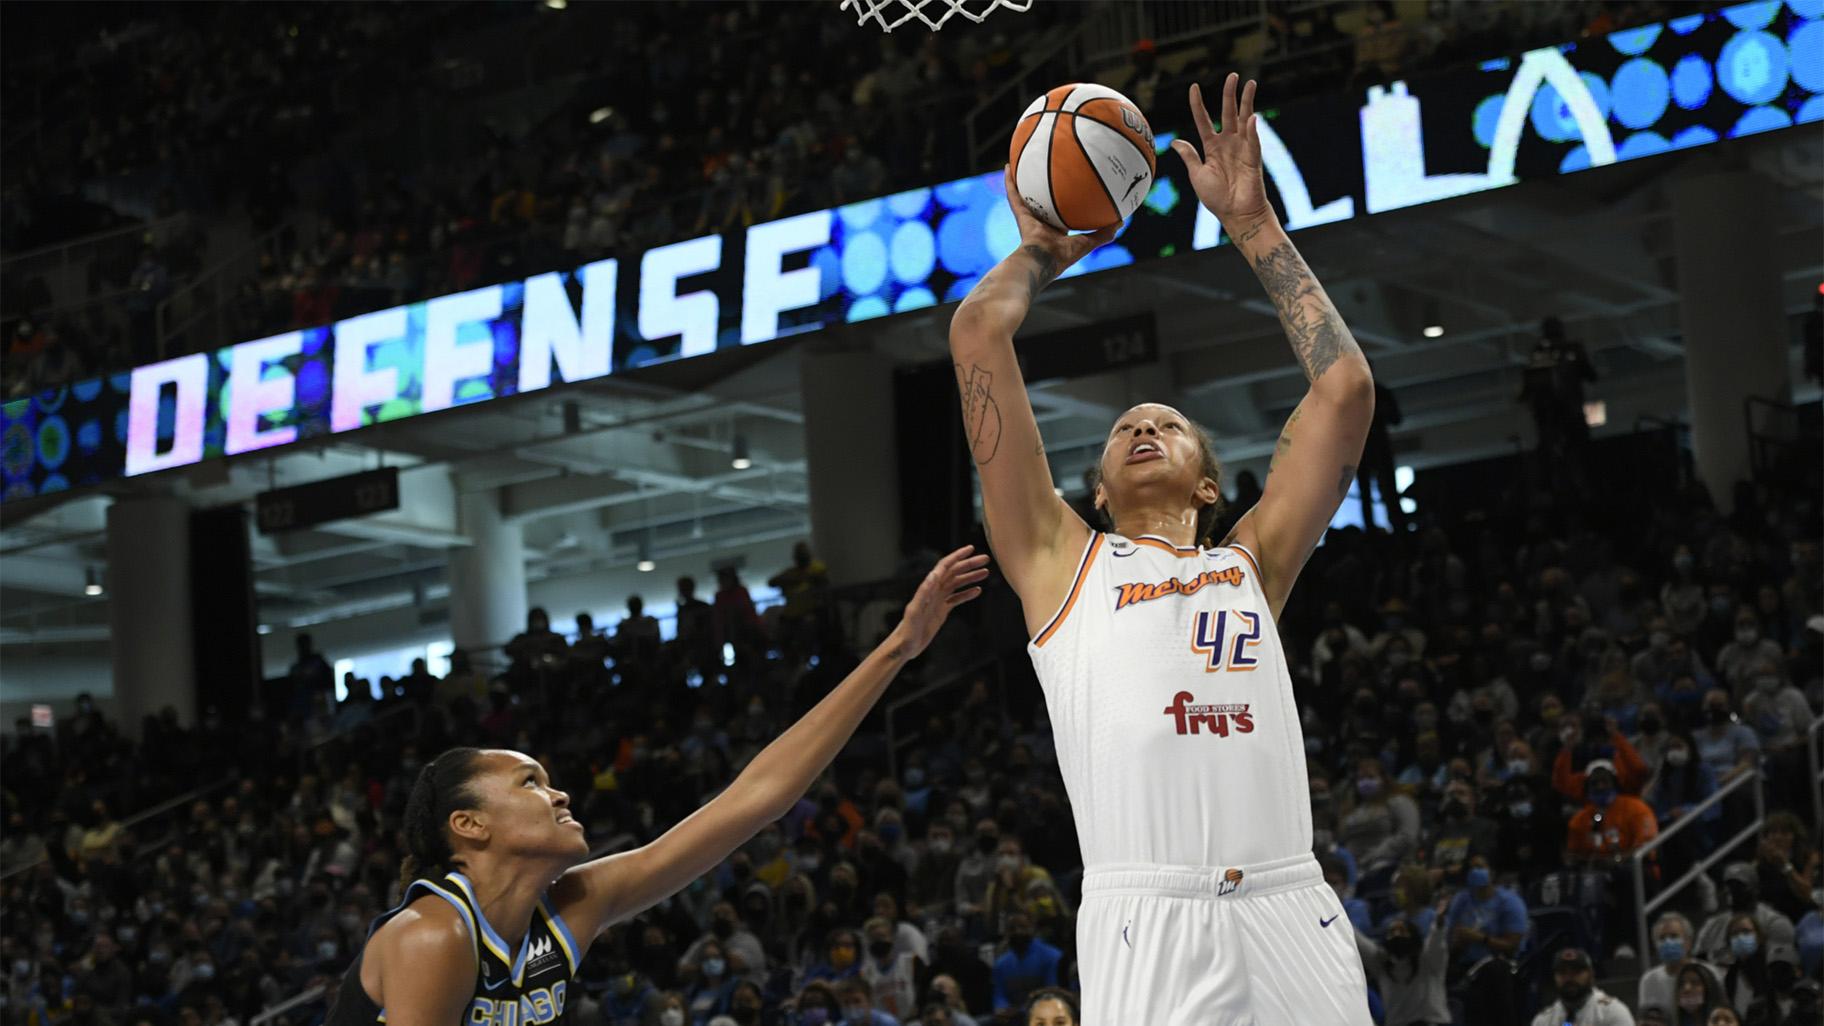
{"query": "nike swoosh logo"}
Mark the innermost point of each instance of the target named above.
(492, 984)
(1124, 937)
(1326, 922)
(1130, 186)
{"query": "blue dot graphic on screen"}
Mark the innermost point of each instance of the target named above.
(53, 443)
(856, 216)
(1811, 9)
(1691, 82)
(959, 288)
(1753, 67)
(16, 450)
(959, 193)
(1002, 232)
(914, 252)
(1487, 116)
(960, 241)
(914, 299)
(1695, 135)
(864, 263)
(1641, 144)
(53, 483)
(1806, 52)
(313, 384)
(1812, 110)
(86, 391)
(122, 383)
(51, 399)
(1687, 24)
(1634, 41)
(868, 308)
(1760, 119)
(1162, 141)
(911, 203)
(121, 421)
(1551, 116)
(1754, 15)
(1576, 160)
(829, 271)
(1163, 197)
(1640, 94)
(88, 437)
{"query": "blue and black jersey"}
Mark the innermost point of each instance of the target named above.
(512, 988)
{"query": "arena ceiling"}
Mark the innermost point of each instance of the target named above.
(593, 469)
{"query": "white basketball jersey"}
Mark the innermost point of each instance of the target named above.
(1172, 709)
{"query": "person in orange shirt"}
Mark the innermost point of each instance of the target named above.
(1631, 771)
(1611, 824)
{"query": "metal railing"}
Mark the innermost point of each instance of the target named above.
(967, 672)
(303, 998)
(138, 819)
(204, 299)
(1643, 909)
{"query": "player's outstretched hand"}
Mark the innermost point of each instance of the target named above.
(1065, 247)
(937, 595)
(1227, 176)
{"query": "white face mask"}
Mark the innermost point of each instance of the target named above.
(1678, 757)
(671, 1017)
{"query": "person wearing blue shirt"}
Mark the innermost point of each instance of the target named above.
(1027, 964)
(1483, 919)
(858, 1005)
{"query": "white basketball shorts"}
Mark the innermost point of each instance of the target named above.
(1264, 945)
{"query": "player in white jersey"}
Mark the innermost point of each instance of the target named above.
(1159, 654)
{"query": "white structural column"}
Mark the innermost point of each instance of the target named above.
(852, 462)
(488, 577)
(149, 610)
(1729, 313)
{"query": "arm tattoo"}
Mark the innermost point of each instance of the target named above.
(981, 414)
(1317, 334)
(1044, 273)
(1285, 439)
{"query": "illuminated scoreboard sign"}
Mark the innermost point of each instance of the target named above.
(1688, 82)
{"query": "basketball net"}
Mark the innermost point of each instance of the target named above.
(891, 14)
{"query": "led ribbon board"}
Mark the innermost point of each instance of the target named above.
(1691, 81)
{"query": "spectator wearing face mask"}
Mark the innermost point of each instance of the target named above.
(1694, 995)
(1408, 969)
(1611, 824)
(1728, 747)
(1746, 977)
(891, 972)
(1741, 885)
(1778, 713)
(975, 872)
(1379, 826)
(714, 986)
(1739, 661)
(1681, 784)
(1484, 920)
(841, 959)
(740, 948)
(1672, 950)
(1013, 876)
(627, 997)
(933, 883)
(1026, 964)
(1784, 1001)
(1580, 1002)
(856, 999)
(1461, 833)
(671, 1010)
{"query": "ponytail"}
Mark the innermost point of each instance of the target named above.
(442, 787)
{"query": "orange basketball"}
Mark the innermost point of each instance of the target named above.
(1082, 157)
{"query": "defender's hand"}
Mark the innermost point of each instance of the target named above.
(1227, 176)
(939, 594)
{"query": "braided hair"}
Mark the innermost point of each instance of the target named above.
(1207, 516)
(442, 787)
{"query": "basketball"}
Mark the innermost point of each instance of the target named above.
(1082, 157)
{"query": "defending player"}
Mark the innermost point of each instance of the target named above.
(1168, 690)
(500, 907)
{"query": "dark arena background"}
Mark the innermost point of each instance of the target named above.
(572, 378)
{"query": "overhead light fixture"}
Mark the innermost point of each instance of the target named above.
(741, 461)
(600, 114)
(1434, 331)
(93, 587)
(646, 565)
(557, 5)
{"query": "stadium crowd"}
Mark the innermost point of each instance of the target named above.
(449, 183)
(1499, 709)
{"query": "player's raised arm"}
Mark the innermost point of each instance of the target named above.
(597, 894)
(1315, 458)
(1028, 524)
